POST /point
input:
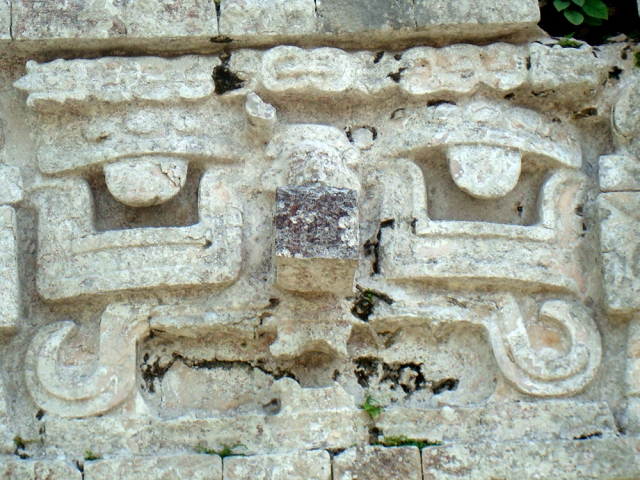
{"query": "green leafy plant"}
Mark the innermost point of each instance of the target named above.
(568, 42)
(404, 441)
(371, 406)
(225, 451)
(636, 57)
(591, 12)
(89, 456)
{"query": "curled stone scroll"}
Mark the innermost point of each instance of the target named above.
(121, 327)
(545, 371)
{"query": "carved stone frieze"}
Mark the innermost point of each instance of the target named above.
(247, 239)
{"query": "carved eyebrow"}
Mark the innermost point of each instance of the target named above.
(484, 123)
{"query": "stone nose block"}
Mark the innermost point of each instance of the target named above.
(317, 238)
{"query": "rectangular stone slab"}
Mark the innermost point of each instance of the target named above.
(55, 19)
(579, 459)
(317, 238)
(9, 281)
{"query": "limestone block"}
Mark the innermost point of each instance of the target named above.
(501, 422)
(625, 112)
(317, 238)
(261, 118)
(619, 173)
(39, 469)
(52, 389)
(114, 80)
(308, 418)
(139, 182)
(495, 12)
(378, 463)
(178, 467)
(5, 20)
(575, 72)
(619, 239)
(9, 280)
(267, 17)
(294, 70)
(10, 185)
(462, 68)
(614, 458)
(349, 16)
(99, 19)
(314, 465)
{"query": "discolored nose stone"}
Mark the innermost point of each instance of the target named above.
(317, 238)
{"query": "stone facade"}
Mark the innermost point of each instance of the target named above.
(330, 239)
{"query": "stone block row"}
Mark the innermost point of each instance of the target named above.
(258, 19)
(609, 458)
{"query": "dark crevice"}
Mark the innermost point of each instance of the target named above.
(587, 436)
(378, 57)
(615, 72)
(156, 370)
(444, 385)
(393, 114)
(587, 112)
(436, 103)
(366, 301)
(372, 246)
(395, 76)
(224, 79)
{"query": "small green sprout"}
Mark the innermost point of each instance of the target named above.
(225, 451)
(89, 456)
(636, 56)
(371, 406)
(21, 443)
(568, 42)
(404, 441)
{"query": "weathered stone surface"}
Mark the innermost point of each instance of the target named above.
(462, 68)
(569, 71)
(39, 469)
(179, 467)
(316, 238)
(5, 20)
(70, 251)
(282, 426)
(10, 185)
(614, 458)
(116, 80)
(356, 230)
(619, 239)
(619, 173)
(93, 19)
(484, 172)
(121, 327)
(500, 422)
(497, 12)
(9, 280)
(138, 182)
(349, 16)
(378, 463)
(267, 17)
(315, 465)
